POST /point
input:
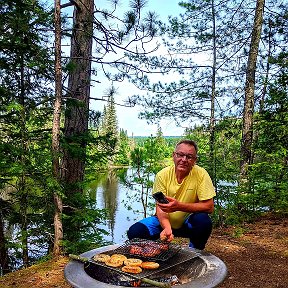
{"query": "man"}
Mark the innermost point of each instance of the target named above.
(190, 193)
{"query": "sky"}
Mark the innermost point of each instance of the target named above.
(128, 117)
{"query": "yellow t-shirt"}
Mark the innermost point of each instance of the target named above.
(197, 186)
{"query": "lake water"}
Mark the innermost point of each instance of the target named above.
(123, 205)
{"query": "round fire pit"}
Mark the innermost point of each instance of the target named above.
(204, 271)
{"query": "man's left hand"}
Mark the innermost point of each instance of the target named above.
(172, 206)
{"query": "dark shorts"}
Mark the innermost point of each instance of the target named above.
(197, 227)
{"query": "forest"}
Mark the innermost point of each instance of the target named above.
(53, 143)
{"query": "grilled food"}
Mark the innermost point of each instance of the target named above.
(150, 265)
(132, 269)
(101, 257)
(119, 257)
(133, 262)
(114, 262)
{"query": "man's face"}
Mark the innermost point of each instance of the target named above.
(184, 158)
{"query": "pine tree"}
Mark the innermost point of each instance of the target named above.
(109, 128)
(110, 120)
(123, 155)
(26, 69)
(110, 34)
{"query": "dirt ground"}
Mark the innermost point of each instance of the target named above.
(256, 255)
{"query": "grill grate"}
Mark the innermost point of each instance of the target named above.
(180, 257)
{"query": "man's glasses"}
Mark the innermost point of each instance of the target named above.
(182, 156)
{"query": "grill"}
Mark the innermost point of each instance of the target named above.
(166, 259)
(188, 268)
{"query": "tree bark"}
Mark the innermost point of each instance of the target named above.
(212, 114)
(4, 267)
(77, 105)
(58, 227)
(22, 178)
(247, 128)
(213, 95)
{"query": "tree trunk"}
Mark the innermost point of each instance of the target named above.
(212, 115)
(77, 106)
(58, 227)
(22, 181)
(247, 128)
(212, 108)
(4, 267)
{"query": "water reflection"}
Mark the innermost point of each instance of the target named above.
(120, 200)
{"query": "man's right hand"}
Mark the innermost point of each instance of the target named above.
(166, 235)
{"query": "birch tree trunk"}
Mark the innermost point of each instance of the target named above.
(247, 128)
(58, 227)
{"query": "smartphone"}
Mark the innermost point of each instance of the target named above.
(160, 197)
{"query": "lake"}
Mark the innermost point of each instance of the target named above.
(122, 202)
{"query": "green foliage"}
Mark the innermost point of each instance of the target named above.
(146, 159)
(81, 221)
(26, 66)
(227, 147)
(269, 170)
(123, 155)
(109, 121)
(137, 157)
(99, 151)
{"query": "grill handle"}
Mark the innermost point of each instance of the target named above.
(145, 280)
